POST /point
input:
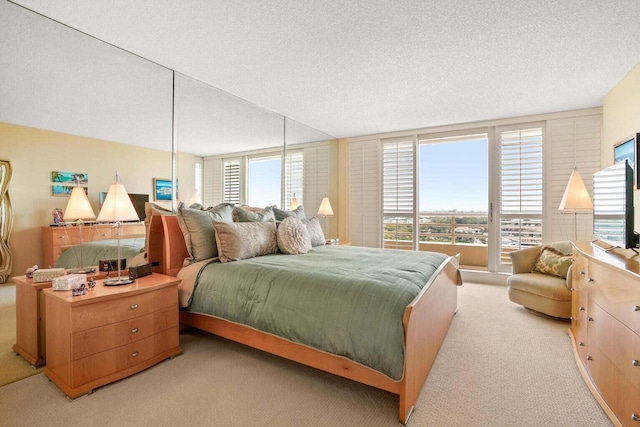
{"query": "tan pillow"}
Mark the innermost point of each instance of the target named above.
(552, 261)
(244, 215)
(293, 237)
(282, 214)
(242, 240)
(152, 209)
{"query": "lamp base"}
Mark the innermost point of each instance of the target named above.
(84, 270)
(117, 281)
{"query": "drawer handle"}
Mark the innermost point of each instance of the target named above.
(582, 273)
(589, 319)
(134, 354)
(581, 308)
(581, 344)
(635, 362)
(134, 306)
(636, 308)
(634, 417)
(134, 330)
(589, 358)
(590, 280)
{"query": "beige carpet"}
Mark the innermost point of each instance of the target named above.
(12, 367)
(500, 365)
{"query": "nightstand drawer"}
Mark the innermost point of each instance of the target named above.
(119, 359)
(116, 310)
(96, 340)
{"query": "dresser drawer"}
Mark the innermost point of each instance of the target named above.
(118, 359)
(617, 294)
(106, 337)
(102, 313)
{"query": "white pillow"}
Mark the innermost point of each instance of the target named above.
(293, 237)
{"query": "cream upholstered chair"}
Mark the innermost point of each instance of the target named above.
(543, 292)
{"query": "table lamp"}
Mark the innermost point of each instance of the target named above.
(79, 210)
(117, 207)
(294, 203)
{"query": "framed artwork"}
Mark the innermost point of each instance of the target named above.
(162, 189)
(627, 149)
(70, 177)
(65, 190)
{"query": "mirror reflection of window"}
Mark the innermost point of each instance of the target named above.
(264, 181)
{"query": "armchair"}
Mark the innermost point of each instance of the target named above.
(544, 293)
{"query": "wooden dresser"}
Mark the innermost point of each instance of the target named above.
(110, 333)
(605, 329)
(56, 240)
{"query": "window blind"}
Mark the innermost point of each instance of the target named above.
(231, 182)
(294, 178)
(365, 226)
(316, 182)
(212, 182)
(398, 158)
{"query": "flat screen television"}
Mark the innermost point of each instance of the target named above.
(138, 201)
(613, 206)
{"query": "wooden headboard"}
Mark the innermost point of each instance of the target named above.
(167, 250)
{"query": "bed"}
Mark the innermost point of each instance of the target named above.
(131, 249)
(424, 320)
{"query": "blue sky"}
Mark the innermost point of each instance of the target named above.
(453, 175)
(264, 183)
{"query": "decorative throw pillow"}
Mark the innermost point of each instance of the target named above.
(315, 231)
(245, 215)
(552, 261)
(242, 240)
(198, 231)
(293, 237)
(282, 214)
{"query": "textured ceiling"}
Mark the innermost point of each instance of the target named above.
(360, 67)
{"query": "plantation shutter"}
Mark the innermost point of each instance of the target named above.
(398, 193)
(316, 182)
(365, 227)
(294, 178)
(231, 182)
(573, 142)
(212, 182)
(521, 189)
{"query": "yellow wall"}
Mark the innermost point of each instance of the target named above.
(621, 119)
(621, 113)
(35, 153)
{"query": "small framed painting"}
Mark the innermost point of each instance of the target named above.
(162, 189)
(70, 177)
(65, 190)
(627, 149)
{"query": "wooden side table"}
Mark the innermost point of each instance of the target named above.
(30, 318)
(111, 332)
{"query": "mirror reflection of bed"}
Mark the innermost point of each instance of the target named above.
(376, 316)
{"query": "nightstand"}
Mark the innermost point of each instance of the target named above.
(30, 339)
(110, 333)
(30, 319)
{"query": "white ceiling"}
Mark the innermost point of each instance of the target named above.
(360, 67)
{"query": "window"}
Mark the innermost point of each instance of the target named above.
(398, 194)
(263, 180)
(231, 182)
(521, 189)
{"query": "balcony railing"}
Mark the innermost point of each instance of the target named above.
(436, 227)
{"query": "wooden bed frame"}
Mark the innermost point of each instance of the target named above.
(426, 322)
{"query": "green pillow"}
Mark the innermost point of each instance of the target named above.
(296, 213)
(198, 231)
(245, 215)
(552, 261)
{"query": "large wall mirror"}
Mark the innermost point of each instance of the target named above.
(79, 103)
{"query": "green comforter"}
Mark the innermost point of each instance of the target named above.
(347, 301)
(93, 252)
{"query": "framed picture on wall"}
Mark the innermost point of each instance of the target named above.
(627, 149)
(162, 189)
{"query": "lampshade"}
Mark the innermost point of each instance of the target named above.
(294, 203)
(576, 196)
(325, 208)
(78, 206)
(117, 205)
